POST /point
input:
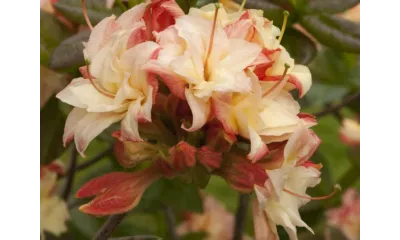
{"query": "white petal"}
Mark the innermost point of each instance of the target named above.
(258, 149)
(70, 124)
(128, 18)
(301, 78)
(129, 126)
(200, 111)
(92, 125)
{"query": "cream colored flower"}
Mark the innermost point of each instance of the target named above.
(349, 132)
(53, 210)
(113, 88)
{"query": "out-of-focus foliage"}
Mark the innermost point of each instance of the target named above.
(316, 36)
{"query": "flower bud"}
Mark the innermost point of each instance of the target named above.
(182, 156)
(208, 158)
(242, 175)
(129, 154)
(218, 139)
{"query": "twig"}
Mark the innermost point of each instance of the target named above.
(240, 216)
(95, 159)
(335, 108)
(92, 161)
(70, 174)
(170, 219)
(109, 226)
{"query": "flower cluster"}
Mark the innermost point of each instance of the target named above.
(210, 89)
(53, 210)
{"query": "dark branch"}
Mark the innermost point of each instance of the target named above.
(170, 219)
(70, 173)
(92, 161)
(336, 108)
(109, 226)
(240, 217)
(95, 159)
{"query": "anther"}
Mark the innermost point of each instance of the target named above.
(336, 189)
(86, 15)
(96, 87)
(285, 18)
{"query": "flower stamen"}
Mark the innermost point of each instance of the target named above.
(287, 66)
(336, 189)
(86, 15)
(210, 45)
(285, 18)
(96, 87)
(242, 5)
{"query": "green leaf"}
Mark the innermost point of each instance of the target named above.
(195, 236)
(198, 175)
(96, 10)
(218, 188)
(52, 32)
(332, 31)
(300, 47)
(271, 11)
(336, 68)
(330, 6)
(186, 4)
(201, 3)
(69, 54)
(51, 131)
(171, 192)
(321, 94)
(132, 3)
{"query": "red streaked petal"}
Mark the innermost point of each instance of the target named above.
(223, 111)
(258, 149)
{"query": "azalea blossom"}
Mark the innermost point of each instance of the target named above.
(216, 221)
(198, 60)
(113, 86)
(53, 210)
(349, 132)
(285, 189)
(347, 216)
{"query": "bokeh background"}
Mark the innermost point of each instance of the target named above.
(321, 34)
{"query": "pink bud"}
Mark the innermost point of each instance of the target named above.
(242, 175)
(208, 158)
(182, 156)
(218, 139)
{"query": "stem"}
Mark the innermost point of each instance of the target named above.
(71, 173)
(109, 226)
(170, 219)
(335, 108)
(92, 161)
(240, 216)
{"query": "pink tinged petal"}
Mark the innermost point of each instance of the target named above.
(169, 35)
(126, 92)
(81, 93)
(262, 229)
(241, 29)
(300, 77)
(175, 83)
(309, 120)
(258, 149)
(72, 120)
(130, 17)
(99, 36)
(241, 55)
(145, 111)
(92, 125)
(200, 111)
(129, 125)
(163, 14)
(276, 178)
(223, 111)
(137, 36)
(301, 146)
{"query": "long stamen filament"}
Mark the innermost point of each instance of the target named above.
(242, 5)
(287, 66)
(337, 189)
(86, 15)
(285, 18)
(96, 87)
(210, 45)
